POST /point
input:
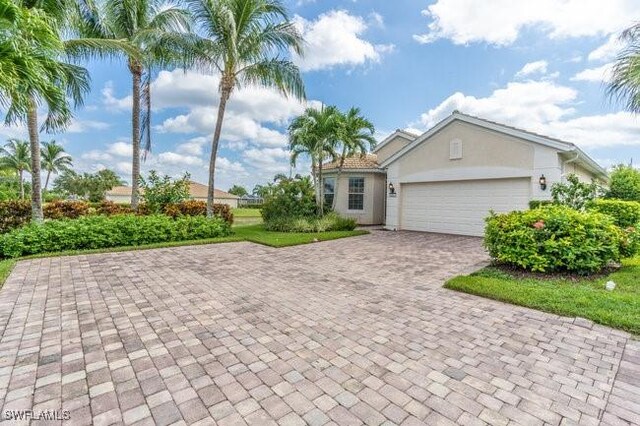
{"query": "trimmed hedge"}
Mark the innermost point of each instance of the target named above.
(624, 213)
(95, 232)
(14, 214)
(65, 209)
(329, 222)
(198, 208)
(554, 238)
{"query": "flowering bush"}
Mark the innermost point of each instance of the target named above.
(555, 238)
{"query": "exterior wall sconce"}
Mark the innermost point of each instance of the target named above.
(392, 189)
(543, 182)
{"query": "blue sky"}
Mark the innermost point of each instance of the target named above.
(407, 64)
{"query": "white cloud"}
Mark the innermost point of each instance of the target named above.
(537, 67)
(113, 103)
(608, 51)
(193, 146)
(120, 149)
(544, 107)
(595, 75)
(335, 39)
(96, 155)
(499, 22)
(82, 126)
(225, 165)
(173, 158)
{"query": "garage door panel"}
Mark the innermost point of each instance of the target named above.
(460, 207)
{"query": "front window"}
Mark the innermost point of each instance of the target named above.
(356, 193)
(329, 190)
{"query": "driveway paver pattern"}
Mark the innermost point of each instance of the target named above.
(344, 332)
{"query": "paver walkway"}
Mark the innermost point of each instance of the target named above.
(343, 332)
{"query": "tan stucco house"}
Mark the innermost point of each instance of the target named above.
(449, 178)
(197, 191)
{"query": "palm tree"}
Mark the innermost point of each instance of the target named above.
(154, 33)
(314, 134)
(54, 160)
(16, 157)
(355, 137)
(245, 42)
(624, 85)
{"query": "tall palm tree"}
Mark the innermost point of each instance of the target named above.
(154, 34)
(624, 85)
(16, 156)
(54, 160)
(245, 42)
(355, 137)
(41, 76)
(314, 134)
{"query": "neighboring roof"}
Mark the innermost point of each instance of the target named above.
(354, 162)
(196, 190)
(560, 145)
(250, 197)
(397, 134)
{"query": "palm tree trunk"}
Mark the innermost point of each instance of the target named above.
(46, 182)
(34, 142)
(224, 97)
(21, 184)
(335, 187)
(136, 73)
(321, 188)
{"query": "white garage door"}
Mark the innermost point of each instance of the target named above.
(460, 207)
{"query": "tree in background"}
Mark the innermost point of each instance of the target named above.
(154, 33)
(90, 186)
(54, 160)
(16, 157)
(238, 190)
(355, 137)
(245, 41)
(315, 134)
(624, 85)
(263, 191)
(159, 191)
(624, 183)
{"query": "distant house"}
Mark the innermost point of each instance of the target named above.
(197, 191)
(250, 200)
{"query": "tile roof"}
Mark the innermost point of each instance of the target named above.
(369, 161)
(196, 190)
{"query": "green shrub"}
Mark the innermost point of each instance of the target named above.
(534, 204)
(198, 208)
(574, 193)
(291, 198)
(329, 222)
(65, 209)
(14, 214)
(624, 213)
(554, 238)
(624, 183)
(95, 232)
(158, 192)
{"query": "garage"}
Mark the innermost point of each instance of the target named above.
(459, 207)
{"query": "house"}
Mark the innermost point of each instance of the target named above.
(197, 191)
(449, 178)
(249, 200)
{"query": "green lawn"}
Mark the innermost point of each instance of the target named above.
(244, 216)
(585, 298)
(244, 212)
(252, 233)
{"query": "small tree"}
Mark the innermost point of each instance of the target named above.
(624, 183)
(290, 198)
(158, 191)
(238, 190)
(87, 185)
(573, 193)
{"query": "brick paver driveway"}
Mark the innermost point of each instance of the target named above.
(348, 331)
